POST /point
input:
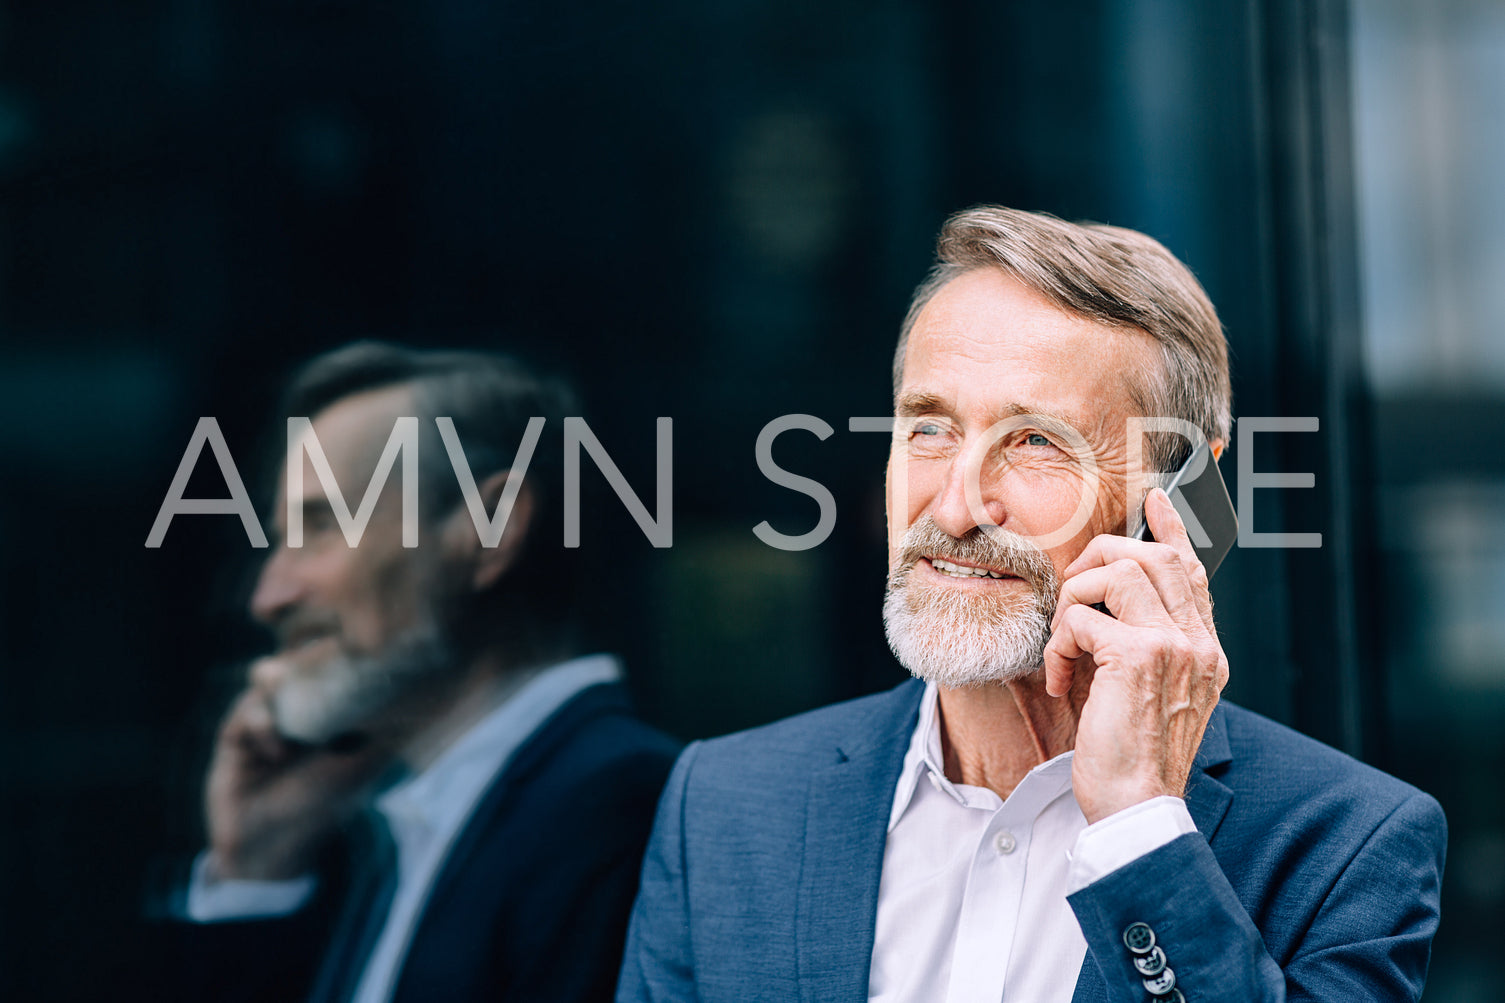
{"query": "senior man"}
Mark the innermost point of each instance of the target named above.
(1059, 807)
(427, 791)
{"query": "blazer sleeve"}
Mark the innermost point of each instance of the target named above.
(234, 961)
(1368, 938)
(657, 965)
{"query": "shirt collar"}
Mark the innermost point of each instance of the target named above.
(441, 797)
(1040, 786)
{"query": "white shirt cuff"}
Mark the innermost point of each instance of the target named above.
(1125, 836)
(211, 901)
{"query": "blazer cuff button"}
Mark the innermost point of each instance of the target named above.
(1162, 984)
(1139, 938)
(1150, 964)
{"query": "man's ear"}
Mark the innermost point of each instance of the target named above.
(489, 564)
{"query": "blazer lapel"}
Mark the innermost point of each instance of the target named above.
(444, 938)
(846, 828)
(531, 757)
(1207, 801)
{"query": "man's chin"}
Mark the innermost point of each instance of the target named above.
(987, 677)
(967, 658)
(947, 673)
(960, 653)
(314, 718)
(350, 694)
(325, 705)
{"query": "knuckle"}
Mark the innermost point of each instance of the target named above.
(266, 673)
(1218, 660)
(1146, 646)
(1128, 568)
(241, 709)
(1077, 614)
(1165, 644)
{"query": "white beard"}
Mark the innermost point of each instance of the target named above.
(955, 639)
(344, 694)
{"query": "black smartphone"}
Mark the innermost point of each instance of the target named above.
(1200, 496)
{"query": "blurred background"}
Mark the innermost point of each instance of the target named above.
(715, 211)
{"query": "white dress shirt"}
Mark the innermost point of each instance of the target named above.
(425, 813)
(972, 900)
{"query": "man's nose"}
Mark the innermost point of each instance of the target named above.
(969, 497)
(278, 588)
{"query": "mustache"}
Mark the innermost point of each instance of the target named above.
(992, 546)
(299, 625)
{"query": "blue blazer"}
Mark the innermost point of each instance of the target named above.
(1311, 876)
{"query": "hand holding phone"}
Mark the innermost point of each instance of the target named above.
(271, 802)
(1201, 499)
(1149, 673)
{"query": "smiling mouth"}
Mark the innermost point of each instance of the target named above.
(953, 570)
(297, 639)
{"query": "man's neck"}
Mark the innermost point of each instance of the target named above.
(991, 736)
(490, 681)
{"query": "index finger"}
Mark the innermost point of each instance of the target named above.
(250, 728)
(1168, 528)
(1166, 524)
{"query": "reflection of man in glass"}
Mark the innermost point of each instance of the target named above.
(424, 723)
(1059, 808)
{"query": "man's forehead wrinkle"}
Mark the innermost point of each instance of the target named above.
(997, 350)
(917, 402)
(1018, 409)
(353, 431)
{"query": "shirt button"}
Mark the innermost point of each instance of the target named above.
(1005, 842)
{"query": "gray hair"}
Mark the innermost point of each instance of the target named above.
(490, 397)
(1110, 275)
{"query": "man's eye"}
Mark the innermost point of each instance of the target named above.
(928, 428)
(1036, 439)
